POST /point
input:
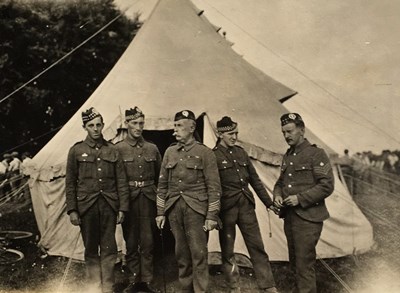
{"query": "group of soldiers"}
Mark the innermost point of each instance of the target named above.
(197, 189)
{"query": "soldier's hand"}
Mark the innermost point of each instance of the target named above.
(121, 217)
(278, 202)
(291, 200)
(74, 218)
(160, 221)
(274, 209)
(210, 225)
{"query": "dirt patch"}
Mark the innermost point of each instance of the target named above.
(375, 271)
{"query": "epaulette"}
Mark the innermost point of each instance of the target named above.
(174, 143)
(149, 141)
(118, 142)
(200, 143)
(215, 148)
(238, 146)
(78, 142)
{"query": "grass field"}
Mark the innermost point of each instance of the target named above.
(375, 271)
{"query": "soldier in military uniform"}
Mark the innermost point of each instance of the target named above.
(306, 179)
(189, 194)
(142, 162)
(237, 208)
(96, 198)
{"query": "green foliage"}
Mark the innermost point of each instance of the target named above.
(35, 34)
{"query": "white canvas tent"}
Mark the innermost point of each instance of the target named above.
(177, 61)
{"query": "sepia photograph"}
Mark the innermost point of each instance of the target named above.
(199, 146)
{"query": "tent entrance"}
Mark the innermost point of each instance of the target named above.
(164, 138)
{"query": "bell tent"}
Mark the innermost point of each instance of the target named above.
(178, 61)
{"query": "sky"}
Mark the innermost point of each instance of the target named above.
(341, 57)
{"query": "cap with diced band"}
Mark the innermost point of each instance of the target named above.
(133, 114)
(226, 124)
(90, 114)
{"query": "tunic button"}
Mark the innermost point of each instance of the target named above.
(237, 170)
(100, 180)
(303, 167)
(101, 190)
(234, 161)
(181, 192)
(139, 156)
(289, 185)
(99, 169)
(241, 179)
(291, 163)
(179, 180)
(180, 159)
(97, 149)
(140, 176)
(290, 174)
(294, 154)
(98, 159)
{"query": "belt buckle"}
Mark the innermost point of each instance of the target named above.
(139, 183)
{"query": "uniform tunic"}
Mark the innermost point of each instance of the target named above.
(142, 162)
(307, 173)
(237, 208)
(188, 193)
(97, 189)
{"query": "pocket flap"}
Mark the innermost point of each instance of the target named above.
(194, 163)
(170, 165)
(85, 158)
(150, 159)
(303, 167)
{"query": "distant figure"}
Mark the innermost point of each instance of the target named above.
(15, 163)
(346, 166)
(26, 162)
(305, 181)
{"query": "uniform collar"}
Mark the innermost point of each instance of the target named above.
(225, 149)
(92, 143)
(187, 146)
(297, 149)
(139, 142)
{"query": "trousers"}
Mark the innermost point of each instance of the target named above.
(302, 238)
(98, 226)
(243, 215)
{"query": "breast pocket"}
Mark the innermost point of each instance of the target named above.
(87, 166)
(108, 161)
(243, 165)
(304, 174)
(129, 161)
(170, 166)
(149, 166)
(194, 170)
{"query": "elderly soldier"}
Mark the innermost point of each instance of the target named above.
(189, 193)
(306, 179)
(237, 208)
(96, 197)
(142, 162)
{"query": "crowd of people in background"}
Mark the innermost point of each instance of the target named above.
(12, 171)
(365, 170)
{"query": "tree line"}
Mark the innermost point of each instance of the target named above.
(34, 35)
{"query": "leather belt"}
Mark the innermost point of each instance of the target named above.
(141, 183)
